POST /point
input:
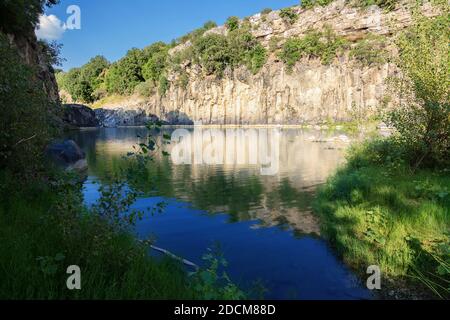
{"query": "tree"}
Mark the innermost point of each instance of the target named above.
(125, 74)
(422, 114)
(21, 16)
(156, 64)
(212, 53)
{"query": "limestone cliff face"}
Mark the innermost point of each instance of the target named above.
(312, 93)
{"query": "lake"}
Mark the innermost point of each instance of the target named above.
(248, 190)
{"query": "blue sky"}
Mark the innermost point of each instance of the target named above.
(112, 27)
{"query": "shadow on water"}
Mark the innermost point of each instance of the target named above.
(265, 224)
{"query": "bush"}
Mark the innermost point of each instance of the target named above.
(164, 85)
(289, 15)
(246, 50)
(307, 4)
(183, 80)
(125, 74)
(324, 45)
(145, 89)
(195, 34)
(156, 65)
(421, 115)
(385, 4)
(370, 51)
(212, 53)
(232, 23)
(19, 17)
(81, 83)
(257, 58)
(266, 11)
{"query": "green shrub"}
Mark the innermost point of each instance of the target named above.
(324, 45)
(19, 17)
(213, 54)
(385, 4)
(183, 80)
(81, 83)
(266, 11)
(421, 115)
(164, 85)
(307, 4)
(256, 58)
(125, 74)
(289, 15)
(370, 51)
(145, 89)
(155, 66)
(197, 33)
(232, 23)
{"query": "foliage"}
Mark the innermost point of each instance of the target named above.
(51, 52)
(421, 116)
(385, 4)
(244, 49)
(164, 85)
(145, 89)
(376, 212)
(126, 73)
(81, 83)
(289, 15)
(26, 115)
(307, 4)
(210, 284)
(212, 53)
(216, 52)
(183, 80)
(232, 23)
(197, 33)
(21, 16)
(370, 51)
(321, 44)
(56, 231)
(156, 65)
(266, 11)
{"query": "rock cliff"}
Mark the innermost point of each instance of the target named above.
(311, 93)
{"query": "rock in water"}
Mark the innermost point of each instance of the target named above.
(68, 155)
(79, 115)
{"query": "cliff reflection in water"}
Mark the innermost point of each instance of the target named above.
(306, 158)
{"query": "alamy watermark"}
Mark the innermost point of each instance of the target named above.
(374, 280)
(254, 147)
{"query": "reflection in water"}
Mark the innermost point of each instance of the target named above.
(233, 203)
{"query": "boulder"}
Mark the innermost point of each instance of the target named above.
(78, 115)
(68, 155)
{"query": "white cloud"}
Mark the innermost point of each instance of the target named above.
(50, 28)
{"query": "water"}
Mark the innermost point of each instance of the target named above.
(263, 223)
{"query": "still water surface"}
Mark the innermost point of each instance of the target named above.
(263, 223)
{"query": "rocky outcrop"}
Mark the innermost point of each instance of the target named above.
(78, 115)
(68, 155)
(31, 52)
(112, 118)
(312, 93)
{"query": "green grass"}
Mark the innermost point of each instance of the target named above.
(376, 212)
(44, 229)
